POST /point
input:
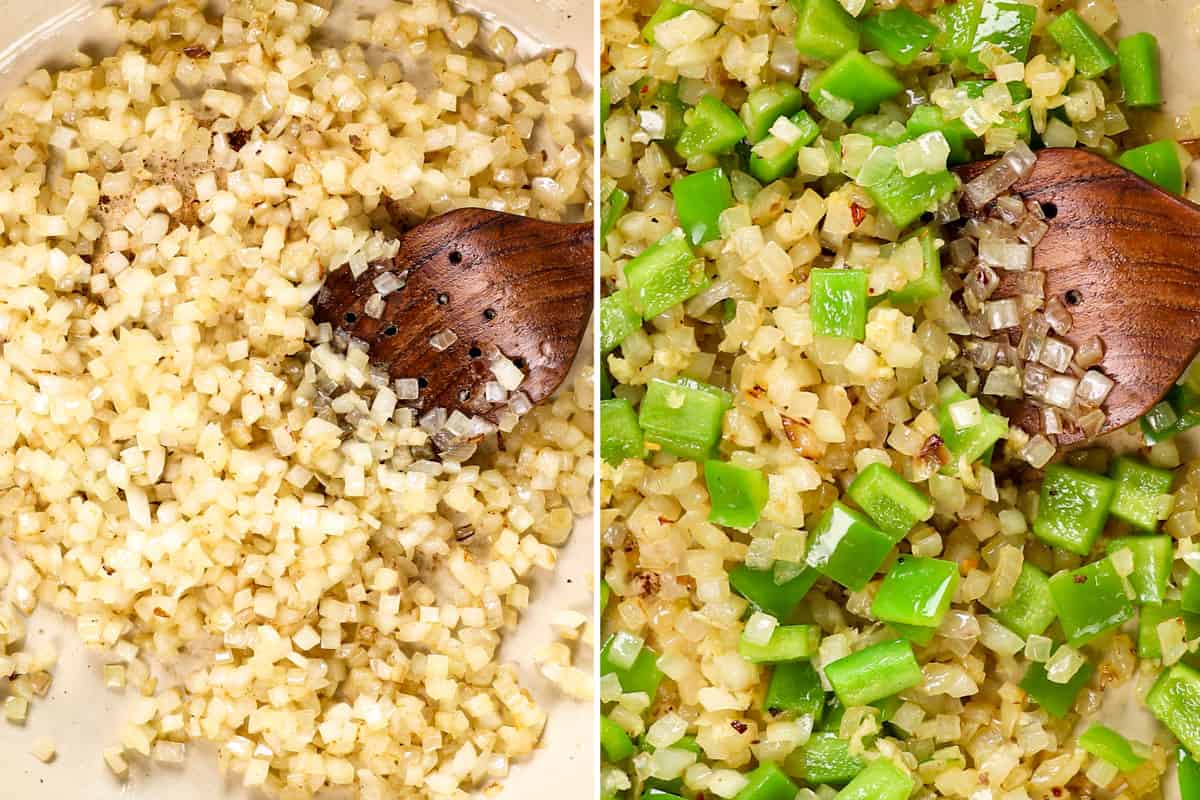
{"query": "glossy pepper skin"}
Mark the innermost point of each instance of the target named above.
(905, 198)
(766, 104)
(795, 688)
(713, 128)
(737, 495)
(1056, 698)
(683, 416)
(1152, 557)
(1093, 56)
(614, 207)
(846, 547)
(699, 200)
(665, 274)
(614, 741)
(618, 318)
(929, 284)
(856, 78)
(1090, 601)
(1105, 743)
(1073, 508)
(788, 643)
(901, 33)
(1139, 486)
(1189, 775)
(926, 119)
(1030, 609)
(643, 676)
(916, 591)
(668, 9)
(881, 780)
(824, 29)
(971, 443)
(1137, 64)
(1157, 162)
(827, 759)
(777, 599)
(892, 502)
(838, 299)
(768, 782)
(772, 159)
(620, 434)
(1175, 701)
(874, 673)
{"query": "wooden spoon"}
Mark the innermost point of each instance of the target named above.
(499, 283)
(1124, 257)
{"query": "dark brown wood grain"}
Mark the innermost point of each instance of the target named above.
(1132, 253)
(497, 281)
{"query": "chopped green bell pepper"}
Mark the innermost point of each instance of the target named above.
(737, 494)
(824, 29)
(1030, 609)
(1175, 701)
(788, 643)
(927, 119)
(683, 416)
(767, 782)
(1139, 487)
(1074, 506)
(1007, 24)
(1190, 598)
(1090, 601)
(1151, 616)
(766, 104)
(1189, 775)
(970, 443)
(916, 591)
(1152, 557)
(838, 299)
(713, 128)
(1056, 698)
(618, 319)
(1093, 57)
(957, 23)
(614, 207)
(903, 198)
(614, 741)
(874, 673)
(929, 285)
(1137, 62)
(699, 200)
(664, 274)
(795, 688)
(773, 159)
(1019, 121)
(845, 547)
(858, 79)
(881, 780)
(1106, 744)
(827, 760)
(894, 503)
(917, 634)
(901, 33)
(1178, 412)
(668, 9)
(777, 599)
(1157, 162)
(620, 436)
(642, 676)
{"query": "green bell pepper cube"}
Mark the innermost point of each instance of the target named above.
(1030, 609)
(881, 780)
(1056, 698)
(1106, 744)
(1175, 701)
(777, 599)
(846, 547)
(917, 634)
(736, 494)
(1190, 598)
(642, 676)
(1008, 24)
(874, 673)
(795, 688)
(827, 761)
(1020, 121)
(957, 23)
(1151, 616)
(902, 34)
(1074, 506)
(767, 782)
(1138, 488)
(683, 416)
(773, 159)
(614, 207)
(856, 78)
(713, 128)
(665, 274)
(824, 29)
(655, 792)
(699, 200)
(614, 741)
(929, 285)
(1090, 601)
(1152, 556)
(838, 299)
(1137, 62)
(766, 104)
(904, 199)
(668, 9)
(1093, 57)
(969, 443)
(605, 381)
(927, 119)
(894, 503)
(788, 643)
(916, 591)
(1157, 162)
(620, 436)
(1179, 411)
(618, 319)
(1188, 771)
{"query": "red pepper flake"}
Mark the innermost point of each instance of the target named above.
(756, 391)
(739, 726)
(665, 520)
(1081, 578)
(968, 564)
(934, 448)
(857, 214)
(1056, 791)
